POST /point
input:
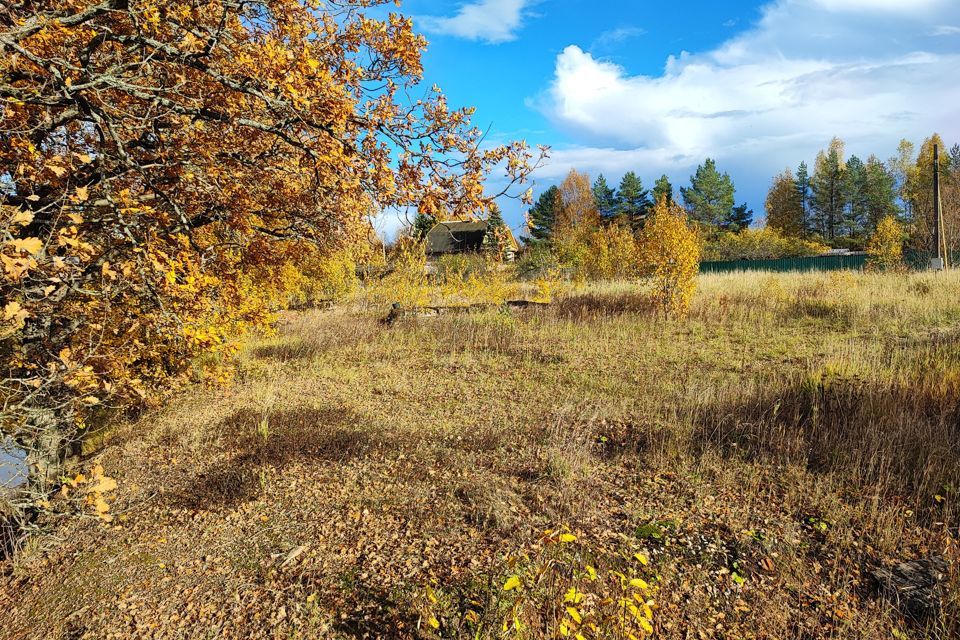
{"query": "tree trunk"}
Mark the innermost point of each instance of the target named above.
(47, 447)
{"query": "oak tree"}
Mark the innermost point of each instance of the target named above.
(166, 165)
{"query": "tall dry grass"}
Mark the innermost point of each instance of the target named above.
(856, 375)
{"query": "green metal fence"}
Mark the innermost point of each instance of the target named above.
(854, 261)
(921, 259)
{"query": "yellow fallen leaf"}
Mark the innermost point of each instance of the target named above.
(101, 506)
(57, 170)
(12, 310)
(28, 245)
(512, 583)
(23, 217)
(104, 485)
(573, 596)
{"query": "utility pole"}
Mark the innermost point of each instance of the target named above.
(938, 261)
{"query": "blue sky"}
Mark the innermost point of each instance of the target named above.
(657, 87)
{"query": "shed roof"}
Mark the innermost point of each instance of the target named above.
(456, 236)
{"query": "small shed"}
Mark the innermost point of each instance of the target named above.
(463, 236)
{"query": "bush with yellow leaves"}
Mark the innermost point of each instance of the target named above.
(606, 252)
(670, 257)
(473, 279)
(328, 278)
(885, 249)
(572, 254)
(611, 254)
(405, 281)
(760, 244)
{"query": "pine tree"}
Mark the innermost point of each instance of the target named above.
(827, 186)
(633, 201)
(803, 195)
(881, 193)
(422, 225)
(855, 212)
(662, 189)
(604, 196)
(495, 241)
(740, 219)
(783, 205)
(709, 198)
(495, 217)
(542, 218)
(955, 158)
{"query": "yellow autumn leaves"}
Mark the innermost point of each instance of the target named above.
(596, 592)
(91, 491)
(512, 583)
(18, 255)
(665, 254)
(562, 585)
(29, 246)
(885, 249)
(671, 249)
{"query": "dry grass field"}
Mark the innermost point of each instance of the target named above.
(765, 454)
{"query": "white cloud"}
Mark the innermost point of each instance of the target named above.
(616, 36)
(895, 6)
(946, 30)
(767, 98)
(491, 21)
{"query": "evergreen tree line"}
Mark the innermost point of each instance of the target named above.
(844, 199)
(709, 201)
